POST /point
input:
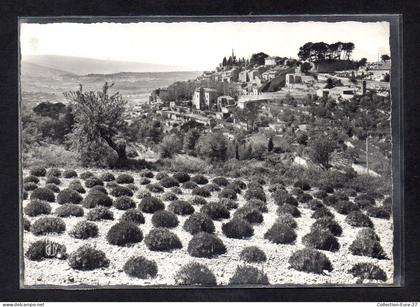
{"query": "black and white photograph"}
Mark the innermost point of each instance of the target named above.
(206, 154)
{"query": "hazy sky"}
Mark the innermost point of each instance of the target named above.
(195, 45)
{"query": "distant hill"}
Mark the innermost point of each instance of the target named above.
(37, 71)
(83, 66)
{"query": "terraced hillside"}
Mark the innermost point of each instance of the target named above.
(100, 228)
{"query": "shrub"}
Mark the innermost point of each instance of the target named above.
(282, 197)
(194, 273)
(221, 181)
(276, 187)
(77, 186)
(144, 181)
(365, 246)
(326, 188)
(92, 181)
(24, 195)
(304, 198)
(201, 191)
(52, 187)
(215, 211)
(198, 200)
(107, 177)
(366, 270)
(143, 193)
(155, 188)
(253, 185)
(125, 178)
(358, 219)
(169, 182)
(87, 258)
(321, 239)
(212, 187)
(189, 185)
(169, 196)
(177, 190)
(302, 184)
(379, 212)
(132, 187)
(161, 239)
(26, 224)
(148, 174)
(228, 193)
(363, 204)
(38, 171)
(43, 194)
(330, 200)
(310, 260)
(112, 185)
(387, 203)
(84, 230)
(121, 191)
(326, 223)
(200, 179)
(69, 210)
(86, 175)
(30, 178)
(95, 199)
(240, 184)
(368, 233)
(98, 188)
(37, 207)
(287, 220)
(322, 212)
(252, 254)
(43, 249)
(255, 194)
(69, 173)
(100, 213)
(349, 192)
(182, 177)
(365, 197)
(341, 196)
(53, 172)
(205, 245)
(287, 208)
(315, 204)
(199, 222)
(124, 203)
(251, 214)
(123, 233)
(53, 180)
(248, 275)
(163, 218)
(297, 191)
(151, 204)
(238, 228)
(181, 207)
(46, 224)
(345, 207)
(133, 215)
(140, 267)
(229, 203)
(280, 234)
(320, 194)
(69, 196)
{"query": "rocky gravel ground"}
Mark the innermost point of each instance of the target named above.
(55, 272)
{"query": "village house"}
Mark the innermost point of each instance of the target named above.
(380, 70)
(269, 75)
(204, 98)
(270, 61)
(244, 76)
(337, 92)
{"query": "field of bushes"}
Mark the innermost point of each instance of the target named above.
(107, 228)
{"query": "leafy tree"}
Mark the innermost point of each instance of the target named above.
(212, 146)
(385, 57)
(170, 145)
(320, 150)
(362, 62)
(224, 62)
(190, 140)
(305, 67)
(99, 120)
(258, 58)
